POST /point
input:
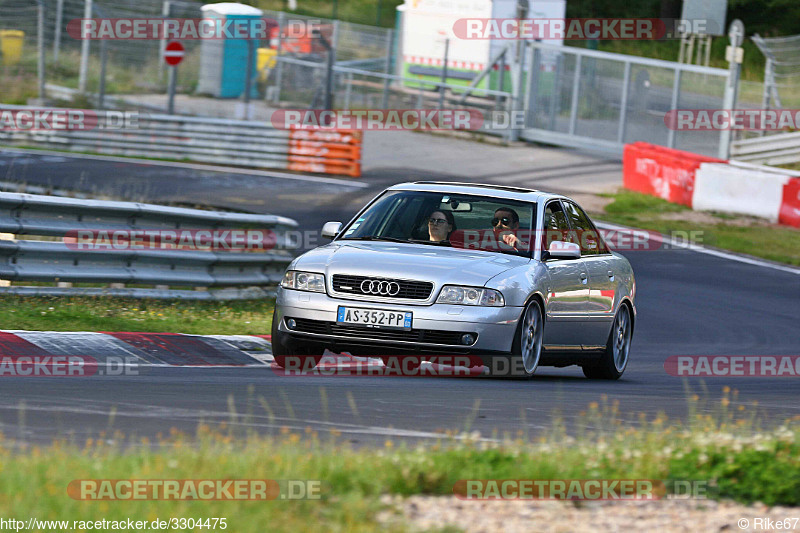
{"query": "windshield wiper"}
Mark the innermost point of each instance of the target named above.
(375, 238)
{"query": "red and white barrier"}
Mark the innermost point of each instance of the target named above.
(707, 183)
(662, 172)
(732, 189)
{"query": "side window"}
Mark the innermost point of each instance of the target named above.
(556, 227)
(587, 237)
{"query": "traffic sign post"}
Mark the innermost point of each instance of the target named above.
(173, 54)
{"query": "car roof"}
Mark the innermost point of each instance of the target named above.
(480, 189)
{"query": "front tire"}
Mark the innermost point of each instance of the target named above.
(526, 351)
(615, 358)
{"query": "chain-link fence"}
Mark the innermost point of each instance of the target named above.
(782, 72)
(18, 50)
(136, 67)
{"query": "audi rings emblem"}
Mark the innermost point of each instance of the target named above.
(380, 287)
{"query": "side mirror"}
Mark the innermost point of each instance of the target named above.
(563, 250)
(331, 229)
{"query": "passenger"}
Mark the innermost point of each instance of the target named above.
(441, 224)
(504, 224)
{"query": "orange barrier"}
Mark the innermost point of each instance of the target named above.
(662, 172)
(326, 151)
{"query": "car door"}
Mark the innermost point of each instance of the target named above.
(599, 263)
(568, 293)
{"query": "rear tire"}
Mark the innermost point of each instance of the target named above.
(615, 358)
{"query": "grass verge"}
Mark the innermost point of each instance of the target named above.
(723, 448)
(737, 234)
(58, 313)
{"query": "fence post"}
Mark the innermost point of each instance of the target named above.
(388, 69)
(166, 10)
(532, 89)
(101, 92)
(248, 76)
(40, 46)
(576, 85)
(769, 80)
(516, 96)
(733, 54)
(348, 90)
(84, 70)
(278, 62)
(57, 36)
(623, 109)
(676, 88)
(443, 88)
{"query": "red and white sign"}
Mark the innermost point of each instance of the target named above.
(173, 53)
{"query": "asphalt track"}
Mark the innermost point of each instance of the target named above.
(689, 303)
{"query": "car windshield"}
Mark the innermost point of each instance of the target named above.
(446, 219)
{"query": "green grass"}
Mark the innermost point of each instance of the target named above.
(772, 242)
(248, 317)
(725, 448)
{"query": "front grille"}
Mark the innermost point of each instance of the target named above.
(409, 290)
(428, 336)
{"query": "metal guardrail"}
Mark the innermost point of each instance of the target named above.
(779, 149)
(205, 140)
(236, 274)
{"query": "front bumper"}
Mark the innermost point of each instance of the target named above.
(494, 326)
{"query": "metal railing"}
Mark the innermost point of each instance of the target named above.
(592, 99)
(233, 274)
(778, 149)
(201, 139)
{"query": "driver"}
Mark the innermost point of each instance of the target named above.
(440, 225)
(504, 224)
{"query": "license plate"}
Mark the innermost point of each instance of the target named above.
(374, 318)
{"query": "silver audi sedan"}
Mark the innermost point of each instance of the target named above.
(514, 278)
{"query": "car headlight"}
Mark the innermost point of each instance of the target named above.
(453, 294)
(303, 281)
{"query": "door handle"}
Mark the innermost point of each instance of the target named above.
(583, 277)
(611, 275)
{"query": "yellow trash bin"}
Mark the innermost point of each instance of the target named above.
(11, 46)
(265, 60)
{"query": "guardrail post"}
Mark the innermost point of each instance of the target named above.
(84, 69)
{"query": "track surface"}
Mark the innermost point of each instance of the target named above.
(689, 304)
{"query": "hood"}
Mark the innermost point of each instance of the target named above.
(441, 265)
